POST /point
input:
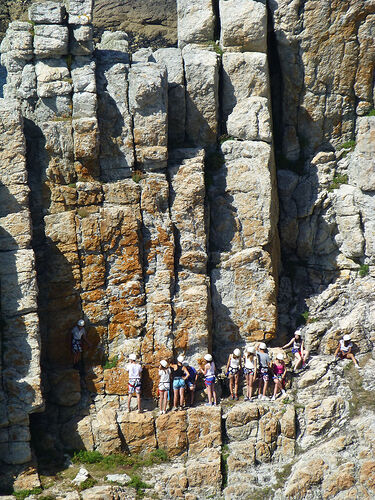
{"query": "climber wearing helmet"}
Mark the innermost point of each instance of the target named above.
(78, 338)
(233, 372)
(264, 363)
(178, 373)
(249, 370)
(164, 385)
(209, 379)
(344, 350)
(298, 349)
(134, 385)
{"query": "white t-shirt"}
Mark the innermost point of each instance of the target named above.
(211, 371)
(249, 364)
(134, 369)
(234, 362)
(343, 347)
(165, 375)
(78, 332)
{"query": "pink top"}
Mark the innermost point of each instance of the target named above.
(278, 369)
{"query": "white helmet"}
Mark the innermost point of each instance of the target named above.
(208, 357)
(280, 356)
(298, 332)
(262, 346)
(250, 349)
(347, 337)
(80, 322)
(180, 358)
(133, 356)
(185, 363)
(164, 363)
(237, 352)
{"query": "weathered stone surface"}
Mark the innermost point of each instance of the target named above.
(305, 477)
(195, 21)
(243, 25)
(47, 13)
(171, 433)
(250, 120)
(80, 11)
(204, 430)
(50, 40)
(139, 433)
(202, 79)
(148, 105)
(81, 40)
(105, 431)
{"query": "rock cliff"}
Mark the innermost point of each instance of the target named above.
(140, 191)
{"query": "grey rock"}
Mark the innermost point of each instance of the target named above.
(84, 105)
(80, 11)
(83, 75)
(81, 40)
(143, 55)
(51, 40)
(47, 13)
(250, 120)
(195, 21)
(82, 475)
(118, 478)
(113, 47)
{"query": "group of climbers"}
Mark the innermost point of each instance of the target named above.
(256, 366)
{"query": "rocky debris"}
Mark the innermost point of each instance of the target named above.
(118, 478)
(82, 475)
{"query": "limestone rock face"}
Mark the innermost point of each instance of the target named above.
(195, 21)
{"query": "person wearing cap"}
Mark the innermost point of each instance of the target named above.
(298, 349)
(264, 363)
(190, 380)
(279, 373)
(164, 385)
(209, 379)
(249, 370)
(178, 373)
(134, 385)
(233, 372)
(344, 350)
(78, 338)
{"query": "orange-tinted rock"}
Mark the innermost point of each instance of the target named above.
(204, 429)
(138, 431)
(171, 433)
(116, 381)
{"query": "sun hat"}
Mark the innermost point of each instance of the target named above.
(347, 337)
(237, 352)
(180, 358)
(80, 322)
(280, 356)
(164, 363)
(208, 357)
(262, 346)
(133, 356)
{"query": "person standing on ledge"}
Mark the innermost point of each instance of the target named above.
(209, 379)
(179, 372)
(344, 350)
(78, 338)
(264, 363)
(134, 385)
(233, 371)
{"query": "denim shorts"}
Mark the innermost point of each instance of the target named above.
(178, 383)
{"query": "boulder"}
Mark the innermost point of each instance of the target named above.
(50, 40)
(195, 21)
(47, 13)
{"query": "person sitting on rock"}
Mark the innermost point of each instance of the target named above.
(78, 338)
(178, 373)
(298, 349)
(134, 385)
(279, 373)
(164, 385)
(233, 372)
(344, 350)
(250, 370)
(190, 380)
(264, 363)
(209, 379)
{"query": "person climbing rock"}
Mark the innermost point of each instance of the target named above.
(134, 385)
(344, 350)
(77, 341)
(233, 371)
(264, 363)
(209, 379)
(298, 349)
(279, 373)
(249, 370)
(164, 385)
(190, 380)
(178, 373)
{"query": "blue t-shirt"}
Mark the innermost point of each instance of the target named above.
(192, 373)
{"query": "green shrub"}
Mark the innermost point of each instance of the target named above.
(22, 494)
(137, 176)
(337, 181)
(347, 145)
(88, 483)
(371, 112)
(364, 270)
(137, 483)
(111, 363)
(87, 457)
(215, 46)
(224, 464)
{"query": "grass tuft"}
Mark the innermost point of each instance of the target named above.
(88, 483)
(347, 145)
(22, 494)
(137, 176)
(337, 181)
(111, 363)
(371, 112)
(364, 270)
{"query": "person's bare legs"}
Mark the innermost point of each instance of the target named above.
(138, 394)
(298, 361)
(236, 377)
(352, 357)
(260, 386)
(175, 398)
(129, 399)
(277, 387)
(251, 382)
(182, 396)
(214, 393)
(265, 386)
(209, 394)
(248, 385)
(192, 390)
(231, 385)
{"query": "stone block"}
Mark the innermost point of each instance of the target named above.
(113, 48)
(105, 431)
(18, 42)
(47, 13)
(195, 21)
(171, 433)
(138, 431)
(81, 40)
(204, 430)
(83, 75)
(243, 25)
(86, 138)
(84, 105)
(202, 80)
(50, 40)
(250, 120)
